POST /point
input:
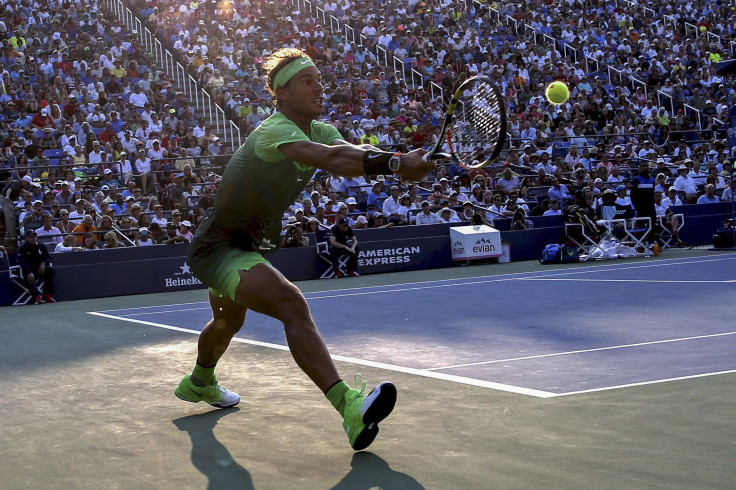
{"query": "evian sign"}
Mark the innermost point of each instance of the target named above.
(183, 278)
(475, 242)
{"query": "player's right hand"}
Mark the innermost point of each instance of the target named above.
(413, 167)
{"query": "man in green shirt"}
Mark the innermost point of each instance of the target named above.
(262, 179)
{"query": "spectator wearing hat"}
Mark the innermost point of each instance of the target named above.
(467, 212)
(622, 198)
(144, 238)
(352, 205)
(356, 133)
(376, 196)
(47, 140)
(343, 242)
(125, 169)
(108, 179)
(176, 218)
(42, 119)
(172, 235)
(684, 183)
(293, 235)
(607, 207)
(35, 263)
(312, 225)
(77, 214)
(661, 183)
(214, 148)
(447, 215)
(361, 223)
(185, 231)
(158, 216)
(32, 219)
(672, 199)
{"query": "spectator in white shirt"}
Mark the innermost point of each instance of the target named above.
(672, 198)
(426, 217)
(143, 169)
(685, 183)
(143, 133)
(138, 98)
(97, 156)
(391, 205)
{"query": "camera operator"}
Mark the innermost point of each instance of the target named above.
(294, 235)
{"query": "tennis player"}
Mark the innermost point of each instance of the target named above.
(262, 179)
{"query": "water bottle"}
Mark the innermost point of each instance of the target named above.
(655, 249)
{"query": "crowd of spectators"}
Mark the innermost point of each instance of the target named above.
(661, 101)
(90, 129)
(128, 146)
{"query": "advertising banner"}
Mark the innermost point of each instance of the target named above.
(475, 242)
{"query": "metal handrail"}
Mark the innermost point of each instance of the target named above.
(174, 69)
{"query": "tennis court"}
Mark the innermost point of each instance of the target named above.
(600, 375)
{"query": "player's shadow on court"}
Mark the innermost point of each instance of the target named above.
(370, 471)
(209, 456)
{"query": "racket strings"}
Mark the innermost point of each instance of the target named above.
(477, 126)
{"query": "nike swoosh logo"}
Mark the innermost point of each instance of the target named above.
(304, 62)
(294, 133)
(371, 157)
(298, 180)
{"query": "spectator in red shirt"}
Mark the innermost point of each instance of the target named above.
(42, 119)
(106, 133)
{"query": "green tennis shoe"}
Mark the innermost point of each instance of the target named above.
(214, 394)
(363, 413)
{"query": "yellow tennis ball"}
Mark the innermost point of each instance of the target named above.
(703, 28)
(557, 93)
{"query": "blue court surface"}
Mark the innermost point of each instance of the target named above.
(546, 333)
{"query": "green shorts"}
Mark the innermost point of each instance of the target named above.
(218, 266)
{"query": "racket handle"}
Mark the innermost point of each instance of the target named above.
(425, 157)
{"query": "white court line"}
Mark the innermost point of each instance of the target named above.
(656, 281)
(592, 269)
(409, 286)
(156, 306)
(363, 362)
(547, 272)
(436, 284)
(581, 351)
(205, 306)
(643, 383)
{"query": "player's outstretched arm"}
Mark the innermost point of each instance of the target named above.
(350, 160)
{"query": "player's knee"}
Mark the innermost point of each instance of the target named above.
(229, 320)
(292, 304)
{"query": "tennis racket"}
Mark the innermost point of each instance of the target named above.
(475, 125)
